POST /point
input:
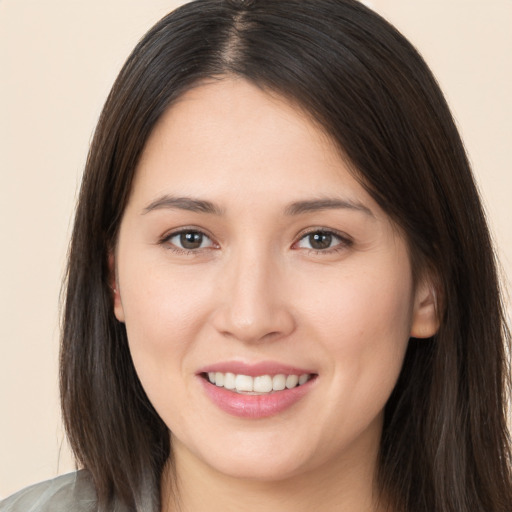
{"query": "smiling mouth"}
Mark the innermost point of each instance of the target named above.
(258, 385)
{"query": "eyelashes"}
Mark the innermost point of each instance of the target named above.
(190, 240)
(322, 241)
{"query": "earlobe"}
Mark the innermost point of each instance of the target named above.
(425, 320)
(114, 287)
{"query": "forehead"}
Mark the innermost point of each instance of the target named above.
(229, 135)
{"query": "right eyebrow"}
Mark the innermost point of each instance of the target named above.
(183, 203)
(314, 205)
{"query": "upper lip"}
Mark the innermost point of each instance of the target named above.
(254, 369)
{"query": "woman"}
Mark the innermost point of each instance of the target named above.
(281, 290)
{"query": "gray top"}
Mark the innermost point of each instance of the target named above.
(73, 492)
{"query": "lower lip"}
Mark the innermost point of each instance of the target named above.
(255, 406)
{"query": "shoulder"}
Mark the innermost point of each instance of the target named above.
(73, 492)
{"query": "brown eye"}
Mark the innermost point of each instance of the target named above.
(320, 241)
(190, 240)
(323, 241)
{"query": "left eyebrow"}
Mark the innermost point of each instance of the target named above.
(183, 203)
(314, 205)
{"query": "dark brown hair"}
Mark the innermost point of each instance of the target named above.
(445, 444)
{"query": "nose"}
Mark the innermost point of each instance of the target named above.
(252, 304)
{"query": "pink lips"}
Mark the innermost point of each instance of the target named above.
(254, 406)
(253, 370)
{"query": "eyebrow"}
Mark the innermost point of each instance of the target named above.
(315, 205)
(183, 203)
(295, 208)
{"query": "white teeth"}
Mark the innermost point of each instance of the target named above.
(279, 382)
(244, 383)
(229, 381)
(259, 384)
(303, 379)
(219, 379)
(292, 381)
(263, 384)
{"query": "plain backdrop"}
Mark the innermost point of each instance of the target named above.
(58, 59)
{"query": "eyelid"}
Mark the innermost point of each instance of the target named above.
(345, 240)
(166, 240)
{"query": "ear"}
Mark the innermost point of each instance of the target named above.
(425, 320)
(114, 287)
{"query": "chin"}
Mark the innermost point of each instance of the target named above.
(259, 470)
(274, 462)
(258, 459)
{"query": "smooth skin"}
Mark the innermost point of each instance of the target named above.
(226, 254)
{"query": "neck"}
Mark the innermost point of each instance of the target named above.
(348, 487)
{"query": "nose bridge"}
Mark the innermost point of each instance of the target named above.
(254, 305)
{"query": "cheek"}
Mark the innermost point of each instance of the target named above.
(362, 323)
(351, 303)
(163, 316)
(368, 319)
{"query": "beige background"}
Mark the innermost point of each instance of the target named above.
(58, 59)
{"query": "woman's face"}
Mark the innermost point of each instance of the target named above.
(249, 256)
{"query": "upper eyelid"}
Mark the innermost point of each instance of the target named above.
(187, 229)
(329, 231)
(165, 240)
(344, 240)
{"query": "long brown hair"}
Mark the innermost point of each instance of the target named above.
(445, 444)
